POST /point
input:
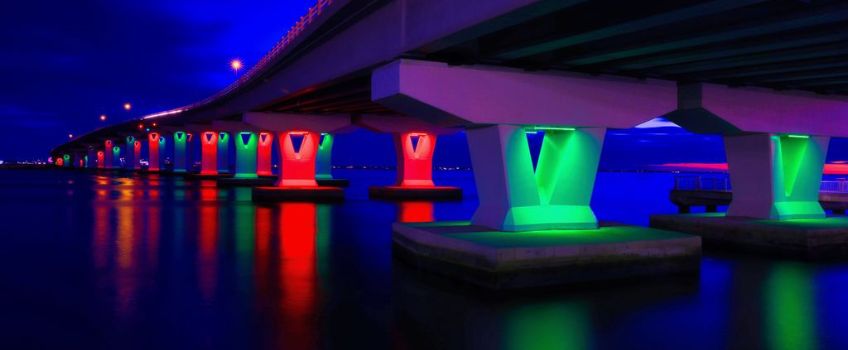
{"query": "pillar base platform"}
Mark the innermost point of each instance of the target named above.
(297, 194)
(246, 182)
(333, 182)
(511, 260)
(409, 192)
(813, 239)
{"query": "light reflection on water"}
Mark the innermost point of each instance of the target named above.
(159, 262)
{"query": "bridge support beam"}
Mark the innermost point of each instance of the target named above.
(324, 162)
(116, 157)
(101, 159)
(264, 148)
(298, 139)
(224, 152)
(153, 144)
(91, 158)
(181, 140)
(209, 153)
(776, 176)
(131, 155)
(109, 158)
(556, 196)
(245, 144)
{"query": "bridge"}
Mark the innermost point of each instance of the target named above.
(770, 76)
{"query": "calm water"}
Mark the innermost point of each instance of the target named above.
(147, 262)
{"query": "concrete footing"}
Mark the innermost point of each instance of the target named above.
(510, 260)
(813, 239)
(235, 182)
(414, 193)
(333, 182)
(297, 194)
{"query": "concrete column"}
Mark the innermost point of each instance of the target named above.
(298, 151)
(101, 160)
(153, 144)
(66, 161)
(263, 154)
(245, 144)
(209, 153)
(136, 147)
(324, 162)
(108, 159)
(181, 139)
(223, 152)
(116, 157)
(414, 151)
(91, 159)
(776, 176)
(130, 154)
(556, 196)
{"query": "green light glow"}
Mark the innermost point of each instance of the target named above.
(180, 164)
(556, 128)
(790, 307)
(799, 136)
(798, 163)
(323, 162)
(557, 195)
(246, 155)
(224, 152)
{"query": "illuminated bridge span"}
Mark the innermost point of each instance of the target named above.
(771, 76)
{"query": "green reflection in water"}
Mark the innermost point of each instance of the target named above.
(790, 308)
(245, 226)
(323, 229)
(548, 326)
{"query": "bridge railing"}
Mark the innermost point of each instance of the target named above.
(722, 183)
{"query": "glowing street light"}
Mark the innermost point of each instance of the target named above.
(236, 65)
(70, 136)
(102, 117)
(127, 106)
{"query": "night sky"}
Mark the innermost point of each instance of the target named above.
(64, 63)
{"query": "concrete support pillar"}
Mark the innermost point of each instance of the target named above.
(324, 161)
(556, 196)
(108, 159)
(776, 176)
(223, 152)
(136, 147)
(101, 160)
(209, 153)
(181, 139)
(263, 154)
(130, 156)
(245, 144)
(91, 159)
(116, 157)
(414, 151)
(66, 161)
(153, 143)
(298, 150)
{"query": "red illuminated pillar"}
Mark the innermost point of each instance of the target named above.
(153, 150)
(107, 157)
(209, 153)
(136, 154)
(101, 159)
(297, 152)
(415, 158)
(263, 155)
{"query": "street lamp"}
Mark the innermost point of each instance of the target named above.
(127, 106)
(102, 117)
(236, 65)
(70, 136)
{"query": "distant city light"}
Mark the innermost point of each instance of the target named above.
(236, 65)
(102, 117)
(140, 126)
(154, 124)
(127, 106)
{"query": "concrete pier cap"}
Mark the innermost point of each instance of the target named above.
(498, 105)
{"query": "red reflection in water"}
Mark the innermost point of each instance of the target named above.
(416, 212)
(298, 274)
(100, 244)
(262, 250)
(208, 237)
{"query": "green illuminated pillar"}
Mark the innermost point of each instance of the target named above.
(116, 157)
(66, 161)
(180, 140)
(776, 176)
(245, 144)
(324, 163)
(556, 196)
(223, 152)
